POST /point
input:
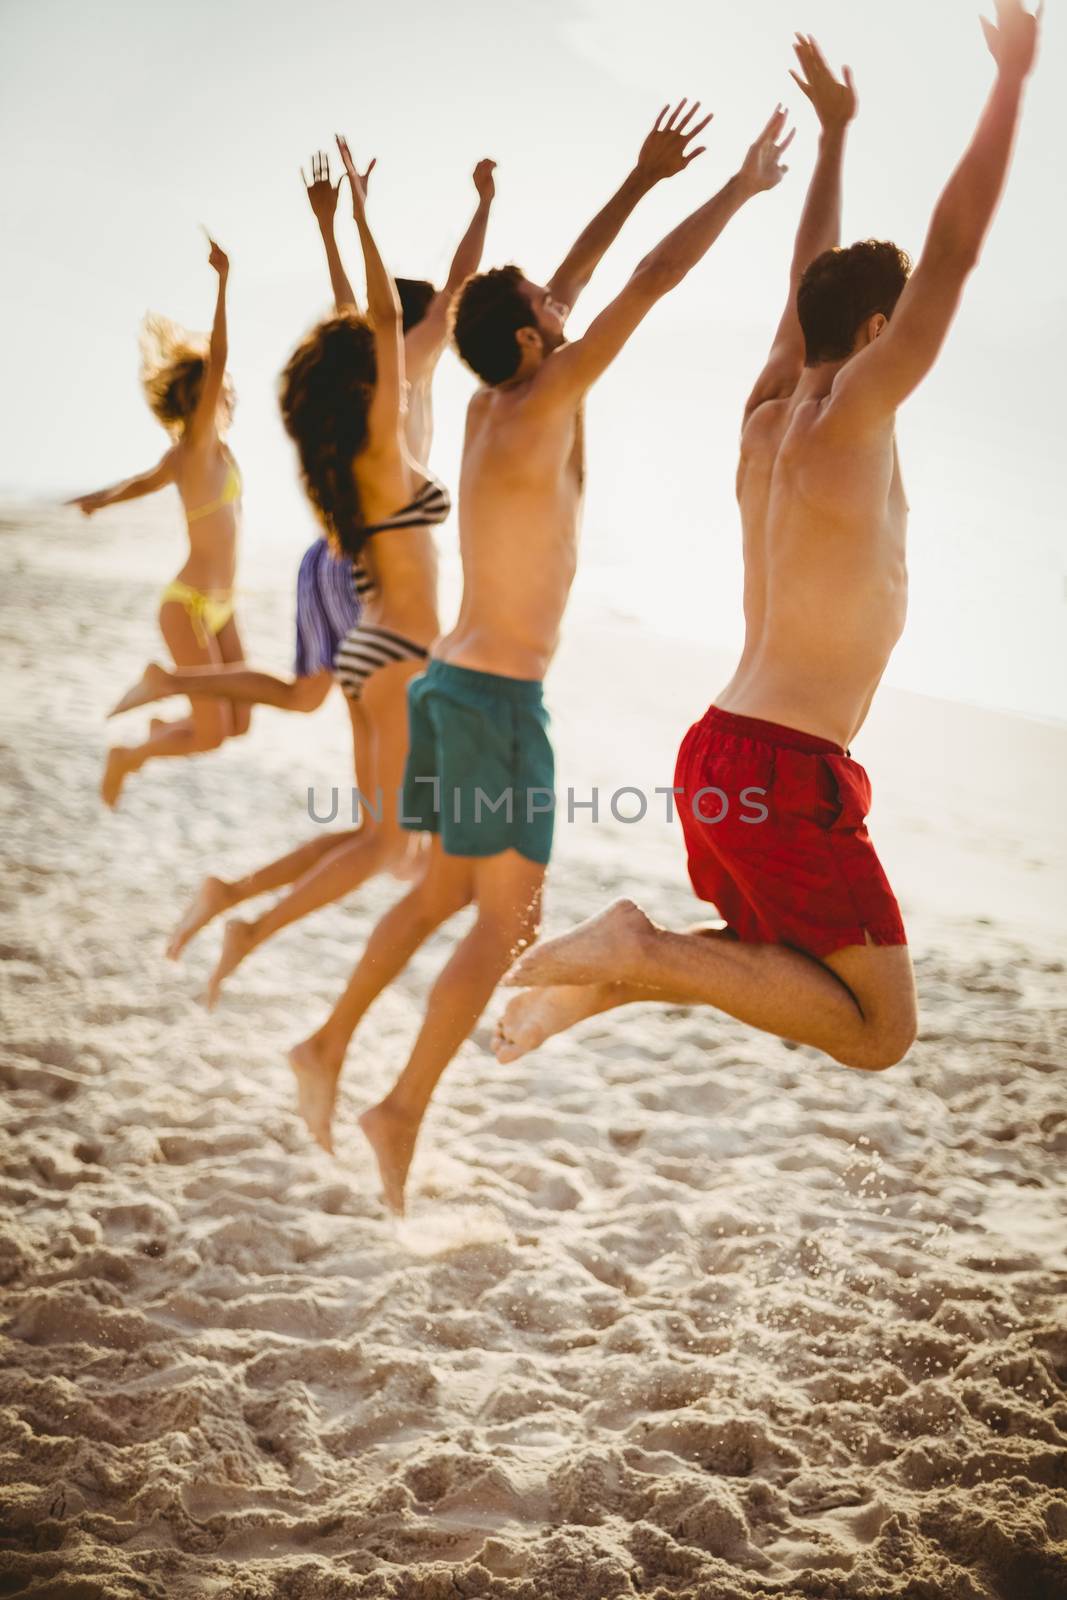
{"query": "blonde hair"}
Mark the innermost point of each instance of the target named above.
(173, 363)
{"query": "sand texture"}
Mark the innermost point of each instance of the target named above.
(678, 1310)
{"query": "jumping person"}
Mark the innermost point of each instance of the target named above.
(426, 311)
(478, 723)
(330, 588)
(814, 947)
(189, 393)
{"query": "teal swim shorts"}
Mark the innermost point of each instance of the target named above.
(480, 769)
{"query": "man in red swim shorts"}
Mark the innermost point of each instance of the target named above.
(772, 804)
(793, 863)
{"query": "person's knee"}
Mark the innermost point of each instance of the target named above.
(883, 1047)
(436, 900)
(212, 726)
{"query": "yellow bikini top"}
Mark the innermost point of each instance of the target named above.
(231, 491)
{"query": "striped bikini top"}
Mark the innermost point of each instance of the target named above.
(430, 506)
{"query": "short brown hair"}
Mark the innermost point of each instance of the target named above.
(841, 289)
(414, 295)
(489, 313)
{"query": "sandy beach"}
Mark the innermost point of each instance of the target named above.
(678, 1310)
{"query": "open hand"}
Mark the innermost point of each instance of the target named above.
(1012, 39)
(664, 151)
(321, 193)
(762, 167)
(835, 103)
(484, 181)
(87, 503)
(357, 181)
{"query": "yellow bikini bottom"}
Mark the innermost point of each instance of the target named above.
(209, 613)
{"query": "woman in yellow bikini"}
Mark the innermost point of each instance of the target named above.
(327, 388)
(188, 392)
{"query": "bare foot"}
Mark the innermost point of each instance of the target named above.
(601, 950)
(536, 1014)
(117, 769)
(212, 897)
(316, 1090)
(154, 684)
(392, 1138)
(238, 941)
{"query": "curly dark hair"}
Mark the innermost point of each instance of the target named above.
(489, 312)
(841, 289)
(325, 391)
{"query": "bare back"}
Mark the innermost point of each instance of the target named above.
(203, 473)
(401, 562)
(519, 510)
(824, 521)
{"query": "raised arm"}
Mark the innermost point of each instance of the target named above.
(129, 488)
(663, 154)
(202, 422)
(873, 384)
(383, 310)
(820, 220)
(571, 370)
(322, 198)
(424, 343)
(468, 256)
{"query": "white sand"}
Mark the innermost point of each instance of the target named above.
(679, 1310)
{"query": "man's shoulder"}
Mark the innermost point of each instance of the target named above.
(550, 392)
(766, 426)
(530, 404)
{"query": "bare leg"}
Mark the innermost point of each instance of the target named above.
(508, 894)
(382, 744)
(163, 725)
(356, 858)
(445, 888)
(534, 1015)
(231, 649)
(155, 683)
(188, 737)
(335, 874)
(858, 1005)
(234, 681)
(210, 724)
(216, 895)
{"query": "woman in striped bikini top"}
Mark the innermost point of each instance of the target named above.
(431, 506)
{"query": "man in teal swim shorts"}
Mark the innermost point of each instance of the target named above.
(480, 769)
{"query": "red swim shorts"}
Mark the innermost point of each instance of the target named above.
(774, 826)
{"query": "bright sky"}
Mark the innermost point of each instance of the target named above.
(129, 124)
